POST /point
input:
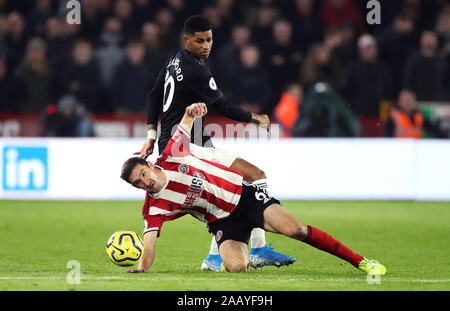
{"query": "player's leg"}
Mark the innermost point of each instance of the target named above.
(258, 177)
(234, 255)
(279, 220)
(251, 173)
(260, 254)
(232, 235)
(213, 261)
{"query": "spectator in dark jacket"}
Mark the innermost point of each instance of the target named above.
(395, 45)
(368, 80)
(123, 10)
(228, 56)
(38, 17)
(425, 71)
(155, 52)
(15, 39)
(261, 26)
(251, 86)
(8, 90)
(34, 77)
(109, 53)
(59, 46)
(81, 77)
(283, 58)
(132, 80)
(306, 26)
(320, 65)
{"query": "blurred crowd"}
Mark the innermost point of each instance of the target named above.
(267, 54)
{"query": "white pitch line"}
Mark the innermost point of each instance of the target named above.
(387, 279)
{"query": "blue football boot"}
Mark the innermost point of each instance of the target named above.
(212, 263)
(267, 256)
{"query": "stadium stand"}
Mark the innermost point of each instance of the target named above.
(43, 58)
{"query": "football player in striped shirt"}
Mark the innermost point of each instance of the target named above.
(186, 78)
(180, 183)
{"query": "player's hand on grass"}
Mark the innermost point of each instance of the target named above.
(262, 120)
(136, 270)
(147, 149)
(197, 110)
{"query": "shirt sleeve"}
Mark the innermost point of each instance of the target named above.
(155, 99)
(203, 84)
(178, 145)
(232, 111)
(153, 223)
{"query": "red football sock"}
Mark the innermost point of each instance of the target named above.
(327, 243)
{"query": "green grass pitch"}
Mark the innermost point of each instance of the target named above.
(39, 238)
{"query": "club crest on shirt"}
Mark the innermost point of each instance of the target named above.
(183, 168)
(219, 235)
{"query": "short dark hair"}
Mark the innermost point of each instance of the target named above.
(196, 23)
(129, 166)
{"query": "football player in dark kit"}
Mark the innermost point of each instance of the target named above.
(184, 80)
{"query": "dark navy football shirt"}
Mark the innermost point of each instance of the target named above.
(183, 81)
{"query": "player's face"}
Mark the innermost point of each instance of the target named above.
(147, 178)
(199, 44)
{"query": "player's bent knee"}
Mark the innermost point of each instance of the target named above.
(236, 267)
(234, 255)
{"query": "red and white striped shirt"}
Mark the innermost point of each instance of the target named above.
(206, 190)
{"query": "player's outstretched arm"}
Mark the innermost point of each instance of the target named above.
(262, 120)
(149, 253)
(149, 144)
(192, 111)
(236, 113)
(154, 106)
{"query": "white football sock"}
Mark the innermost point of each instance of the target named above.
(214, 249)
(258, 238)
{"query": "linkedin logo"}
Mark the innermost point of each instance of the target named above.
(25, 168)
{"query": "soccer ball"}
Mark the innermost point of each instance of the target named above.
(124, 248)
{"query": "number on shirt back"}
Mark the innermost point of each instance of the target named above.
(169, 89)
(260, 192)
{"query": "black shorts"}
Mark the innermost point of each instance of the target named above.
(249, 214)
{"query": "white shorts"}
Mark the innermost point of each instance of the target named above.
(213, 154)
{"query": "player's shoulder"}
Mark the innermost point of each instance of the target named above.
(191, 64)
(162, 158)
(189, 59)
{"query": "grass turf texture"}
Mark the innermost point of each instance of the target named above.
(39, 237)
